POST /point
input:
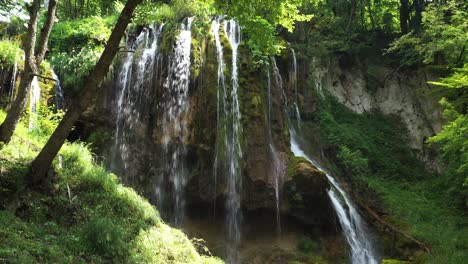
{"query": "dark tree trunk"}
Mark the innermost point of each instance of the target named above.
(404, 16)
(33, 58)
(417, 19)
(371, 15)
(352, 14)
(41, 164)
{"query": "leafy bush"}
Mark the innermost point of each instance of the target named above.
(454, 144)
(72, 36)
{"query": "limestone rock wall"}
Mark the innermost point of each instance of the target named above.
(362, 87)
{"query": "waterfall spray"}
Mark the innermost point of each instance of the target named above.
(221, 110)
(13, 80)
(34, 99)
(277, 167)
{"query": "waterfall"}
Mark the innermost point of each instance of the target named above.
(234, 151)
(34, 99)
(13, 80)
(277, 167)
(59, 99)
(175, 108)
(354, 228)
(296, 95)
(228, 151)
(132, 83)
(221, 111)
(279, 82)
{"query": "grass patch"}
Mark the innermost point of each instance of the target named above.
(89, 218)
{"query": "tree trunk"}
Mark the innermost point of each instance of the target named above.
(371, 16)
(33, 58)
(418, 9)
(41, 164)
(352, 14)
(404, 16)
(9, 124)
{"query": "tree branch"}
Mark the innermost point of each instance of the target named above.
(45, 77)
(45, 32)
(395, 229)
(30, 40)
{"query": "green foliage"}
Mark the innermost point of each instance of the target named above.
(73, 67)
(368, 143)
(353, 161)
(372, 148)
(173, 12)
(71, 36)
(48, 119)
(76, 9)
(75, 48)
(455, 88)
(9, 53)
(259, 20)
(429, 215)
(99, 138)
(442, 40)
(454, 144)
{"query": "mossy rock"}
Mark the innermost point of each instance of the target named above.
(306, 193)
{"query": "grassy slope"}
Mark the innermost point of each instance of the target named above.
(419, 201)
(90, 217)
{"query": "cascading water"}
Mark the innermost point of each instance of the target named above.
(34, 98)
(125, 119)
(296, 95)
(228, 147)
(277, 167)
(175, 108)
(221, 110)
(354, 228)
(13, 80)
(59, 99)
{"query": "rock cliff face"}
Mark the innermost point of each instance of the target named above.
(372, 87)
